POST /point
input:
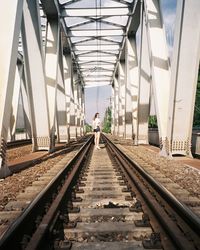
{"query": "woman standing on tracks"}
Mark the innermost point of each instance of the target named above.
(96, 129)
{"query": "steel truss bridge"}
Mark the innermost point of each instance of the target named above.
(51, 50)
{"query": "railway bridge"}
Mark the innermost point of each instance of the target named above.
(59, 191)
(51, 51)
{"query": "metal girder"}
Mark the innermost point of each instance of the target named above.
(61, 109)
(135, 8)
(96, 51)
(93, 29)
(51, 8)
(98, 75)
(75, 1)
(94, 56)
(160, 67)
(88, 81)
(67, 64)
(103, 70)
(83, 33)
(69, 42)
(92, 61)
(122, 82)
(144, 89)
(97, 36)
(91, 51)
(91, 8)
(98, 20)
(92, 38)
(35, 78)
(15, 100)
(11, 11)
(122, 1)
(184, 75)
(63, 14)
(96, 85)
(70, 2)
(116, 106)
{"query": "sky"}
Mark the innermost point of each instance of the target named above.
(97, 99)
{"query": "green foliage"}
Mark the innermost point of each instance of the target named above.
(88, 128)
(20, 130)
(153, 121)
(107, 121)
(196, 121)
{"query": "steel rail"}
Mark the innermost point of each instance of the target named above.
(189, 218)
(17, 143)
(22, 229)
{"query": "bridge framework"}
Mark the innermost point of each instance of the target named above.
(48, 79)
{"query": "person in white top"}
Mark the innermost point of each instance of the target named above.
(96, 129)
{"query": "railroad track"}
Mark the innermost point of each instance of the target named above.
(103, 200)
(18, 143)
(181, 181)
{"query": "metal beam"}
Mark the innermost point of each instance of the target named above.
(11, 13)
(34, 73)
(185, 67)
(100, 39)
(70, 2)
(135, 8)
(51, 8)
(160, 67)
(61, 114)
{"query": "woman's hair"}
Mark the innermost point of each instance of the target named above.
(95, 116)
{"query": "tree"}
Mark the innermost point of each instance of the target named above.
(196, 120)
(107, 121)
(153, 121)
(88, 128)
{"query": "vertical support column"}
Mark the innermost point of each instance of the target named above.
(77, 105)
(35, 79)
(116, 103)
(51, 71)
(81, 109)
(145, 88)
(11, 11)
(73, 132)
(62, 132)
(160, 69)
(24, 98)
(15, 100)
(132, 83)
(122, 99)
(113, 110)
(67, 64)
(185, 65)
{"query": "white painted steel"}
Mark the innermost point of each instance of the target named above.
(35, 78)
(67, 64)
(25, 105)
(160, 68)
(116, 106)
(62, 130)
(113, 110)
(185, 66)
(51, 71)
(121, 98)
(73, 120)
(144, 93)
(132, 83)
(15, 101)
(10, 22)
(77, 106)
